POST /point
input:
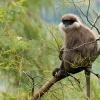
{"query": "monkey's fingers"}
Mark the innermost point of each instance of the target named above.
(61, 53)
(60, 56)
(55, 71)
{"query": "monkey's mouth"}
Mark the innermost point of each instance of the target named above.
(66, 25)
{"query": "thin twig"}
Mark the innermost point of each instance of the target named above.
(88, 10)
(2, 33)
(32, 91)
(95, 21)
(86, 15)
(75, 6)
(54, 39)
(83, 44)
(97, 75)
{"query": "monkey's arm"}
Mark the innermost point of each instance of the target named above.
(61, 53)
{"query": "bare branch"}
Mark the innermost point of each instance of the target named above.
(76, 7)
(44, 88)
(86, 16)
(83, 44)
(88, 11)
(32, 91)
(95, 21)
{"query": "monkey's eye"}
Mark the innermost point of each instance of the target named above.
(67, 22)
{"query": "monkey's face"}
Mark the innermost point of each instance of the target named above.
(69, 21)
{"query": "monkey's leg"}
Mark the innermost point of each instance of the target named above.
(87, 74)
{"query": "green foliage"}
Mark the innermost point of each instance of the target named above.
(26, 44)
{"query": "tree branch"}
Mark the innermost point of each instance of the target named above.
(84, 44)
(95, 21)
(44, 88)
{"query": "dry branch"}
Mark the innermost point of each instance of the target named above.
(44, 88)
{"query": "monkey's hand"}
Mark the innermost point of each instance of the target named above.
(55, 71)
(61, 53)
(59, 74)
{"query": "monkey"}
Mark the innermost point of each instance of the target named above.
(75, 58)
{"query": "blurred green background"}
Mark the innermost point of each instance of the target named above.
(30, 41)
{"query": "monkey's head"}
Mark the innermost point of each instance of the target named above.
(69, 22)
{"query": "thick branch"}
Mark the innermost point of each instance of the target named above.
(44, 88)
